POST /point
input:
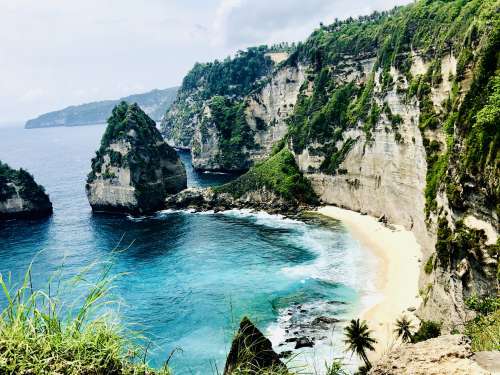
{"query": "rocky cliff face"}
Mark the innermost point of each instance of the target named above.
(134, 169)
(231, 127)
(20, 196)
(264, 112)
(392, 114)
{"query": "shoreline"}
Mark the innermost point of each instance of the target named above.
(397, 272)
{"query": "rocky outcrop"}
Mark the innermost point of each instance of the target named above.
(275, 185)
(20, 196)
(210, 199)
(265, 112)
(134, 169)
(252, 353)
(449, 354)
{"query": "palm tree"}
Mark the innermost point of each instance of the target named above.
(404, 329)
(358, 339)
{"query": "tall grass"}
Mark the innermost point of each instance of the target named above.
(39, 336)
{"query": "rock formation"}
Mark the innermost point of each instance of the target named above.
(251, 353)
(391, 114)
(275, 185)
(134, 170)
(20, 196)
(449, 354)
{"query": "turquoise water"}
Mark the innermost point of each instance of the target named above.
(189, 277)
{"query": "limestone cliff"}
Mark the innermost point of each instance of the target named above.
(391, 114)
(20, 196)
(134, 169)
(229, 122)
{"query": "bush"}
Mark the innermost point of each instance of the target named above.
(428, 330)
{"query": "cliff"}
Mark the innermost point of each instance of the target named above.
(231, 113)
(154, 103)
(134, 169)
(391, 114)
(20, 196)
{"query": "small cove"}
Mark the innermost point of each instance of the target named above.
(189, 277)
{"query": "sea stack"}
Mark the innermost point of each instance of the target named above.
(20, 196)
(134, 170)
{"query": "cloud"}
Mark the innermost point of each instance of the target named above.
(246, 22)
(57, 53)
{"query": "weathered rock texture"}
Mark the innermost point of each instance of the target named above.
(397, 115)
(449, 354)
(20, 196)
(265, 112)
(134, 169)
(251, 352)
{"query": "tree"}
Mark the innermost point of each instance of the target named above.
(358, 339)
(404, 329)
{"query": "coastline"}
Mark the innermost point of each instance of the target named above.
(397, 275)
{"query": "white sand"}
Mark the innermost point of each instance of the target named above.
(398, 271)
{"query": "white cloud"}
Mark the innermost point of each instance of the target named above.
(55, 53)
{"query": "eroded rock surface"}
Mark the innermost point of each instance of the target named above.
(134, 169)
(20, 196)
(450, 354)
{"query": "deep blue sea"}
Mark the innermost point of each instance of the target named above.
(186, 278)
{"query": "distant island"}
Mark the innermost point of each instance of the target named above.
(155, 103)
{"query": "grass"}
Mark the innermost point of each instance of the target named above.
(38, 337)
(484, 329)
(279, 174)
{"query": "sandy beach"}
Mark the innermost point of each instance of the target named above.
(397, 275)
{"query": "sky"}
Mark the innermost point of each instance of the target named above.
(55, 53)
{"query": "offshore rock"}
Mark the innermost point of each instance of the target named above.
(134, 170)
(20, 196)
(251, 352)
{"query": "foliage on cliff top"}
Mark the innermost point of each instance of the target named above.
(427, 25)
(37, 337)
(28, 188)
(232, 76)
(129, 123)
(278, 174)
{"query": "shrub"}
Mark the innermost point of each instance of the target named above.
(428, 330)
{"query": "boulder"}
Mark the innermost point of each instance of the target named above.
(134, 170)
(304, 342)
(450, 354)
(252, 352)
(20, 196)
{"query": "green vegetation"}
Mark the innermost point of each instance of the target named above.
(35, 338)
(235, 134)
(428, 330)
(231, 77)
(404, 329)
(278, 174)
(29, 190)
(429, 265)
(359, 340)
(484, 329)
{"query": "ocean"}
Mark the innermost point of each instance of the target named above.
(185, 279)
